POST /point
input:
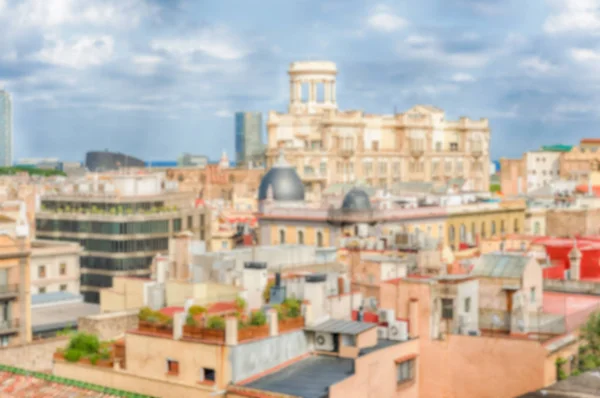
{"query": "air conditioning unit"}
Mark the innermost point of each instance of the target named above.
(386, 316)
(382, 333)
(324, 342)
(398, 331)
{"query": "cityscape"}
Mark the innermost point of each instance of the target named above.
(308, 250)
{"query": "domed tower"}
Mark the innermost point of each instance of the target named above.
(281, 183)
(356, 200)
(316, 80)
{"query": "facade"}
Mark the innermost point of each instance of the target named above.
(121, 221)
(107, 161)
(189, 160)
(6, 129)
(55, 267)
(249, 147)
(328, 146)
(15, 298)
(535, 170)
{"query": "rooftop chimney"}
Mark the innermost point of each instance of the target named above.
(314, 291)
(254, 280)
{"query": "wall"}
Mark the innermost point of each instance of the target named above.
(572, 222)
(533, 279)
(51, 255)
(126, 381)
(32, 356)
(109, 326)
(339, 306)
(252, 358)
(126, 294)
(375, 375)
(510, 171)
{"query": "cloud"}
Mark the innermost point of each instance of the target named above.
(223, 113)
(585, 55)
(383, 19)
(217, 43)
(462, 78)
(55, 13)
(574, 16)
(537, 65)
(430, 49)
(79, 53)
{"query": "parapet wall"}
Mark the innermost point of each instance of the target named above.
(109, 326)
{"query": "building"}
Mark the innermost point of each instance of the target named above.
(249, 147)
(329, 146)
(585, 385)
(107, 161)
(55, 267)
(535, 170)
(121, 220)
(6, 129)
(189, 160)
(15, 299)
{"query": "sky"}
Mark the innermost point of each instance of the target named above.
(155, 78)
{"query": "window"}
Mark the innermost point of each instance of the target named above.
(493, 228)
(208, 375)
(453, 147)
(4, 341)
(516, 226)
(375, 145)
(405, 371)
(190, 222)
(323, 168)
(63, 288)
(532, 295)
(42, 290)
(447, 309)
(536, 228)
(281, 236)
(172, 367)
(319, 239)
(438, 147)
(224, 244)
(483, 230)
(502, 230)
(300, 237)
(348, 340)
(42, 271)
(468, 304)
(63, 269)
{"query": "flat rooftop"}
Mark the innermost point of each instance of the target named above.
(308, 378)
(586, 385)
(60, 316)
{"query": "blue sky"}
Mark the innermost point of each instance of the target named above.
(155, 78)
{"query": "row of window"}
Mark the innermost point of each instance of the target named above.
(207, 375)
(109, 228)
(116, 264)
(96, 280)
(121, 246)
(62, 270)
(300, 238)
(104, 206)
(482, 230)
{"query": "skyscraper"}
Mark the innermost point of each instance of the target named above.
(6, 142)
(249, 148)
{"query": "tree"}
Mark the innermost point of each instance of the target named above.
(589, 351)
(267, 291)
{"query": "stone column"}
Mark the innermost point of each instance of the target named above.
(312, 97)
(293, 92)
(273, 322)
(333, 92)
(298, 86)
(327, 91)
(231, 331)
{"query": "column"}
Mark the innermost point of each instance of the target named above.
(333, 92)
(298, 91)
(312, 98)
(293, 92)
(327, 91)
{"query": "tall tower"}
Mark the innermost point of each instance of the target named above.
(6, 139)
(312, 87)
(249, 147)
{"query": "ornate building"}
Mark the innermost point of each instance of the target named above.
(330, 146)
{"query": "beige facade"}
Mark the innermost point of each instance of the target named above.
(55, 267)
(330, 146)
(15, 305)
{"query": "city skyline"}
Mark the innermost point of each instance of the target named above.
(165, 81)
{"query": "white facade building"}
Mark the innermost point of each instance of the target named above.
(542, 168)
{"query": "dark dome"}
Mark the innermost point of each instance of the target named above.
(283, 181)
(356, 200)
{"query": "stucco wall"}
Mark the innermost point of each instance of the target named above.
(568, 223)
(109, 326)
(250, 359)
(123, 380)
(33, 356)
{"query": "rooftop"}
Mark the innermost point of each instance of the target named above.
(585, 385)
(60, 316)
(341, 326)
(500, 265)
(308, 378)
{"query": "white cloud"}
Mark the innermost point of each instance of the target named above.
(585, 55)
(80, 53)
(223, 113)
(537, 65)
(574, 16)
(55, 13)
(217, 43)
(462, 78)
(427, 48)
(147, 59)
(124, 107)
(383, 19)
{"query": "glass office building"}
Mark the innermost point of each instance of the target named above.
(249, 147)
(6, 139)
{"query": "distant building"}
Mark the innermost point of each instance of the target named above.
(536, 169)
(107, 161)
(161, 164)
(249, 148)
(189, 160)
(6, 133)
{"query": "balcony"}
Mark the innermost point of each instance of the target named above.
(346, 152)
(476, 152)
(417, 151)
(9, 326)
(9, 291)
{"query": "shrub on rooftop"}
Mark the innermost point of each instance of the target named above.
(216, 322)
(85, 343)
(258, 318)
(196, 310)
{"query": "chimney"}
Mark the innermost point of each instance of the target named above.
(413, 318)
(231, 331)
(575, 262)
(178, 322)
(314, 291)
(254, 280)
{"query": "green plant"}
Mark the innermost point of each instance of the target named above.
(576, 372)
(73, 355)
(216, 322)
(241, 324)
(281, 313)
(190, 321)
(267, 291)
(94, 358)
(104, 353)
(293, 307)
(86, 343)
(145, 313)
(196, 310)
(240, 303)
(258, 318)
